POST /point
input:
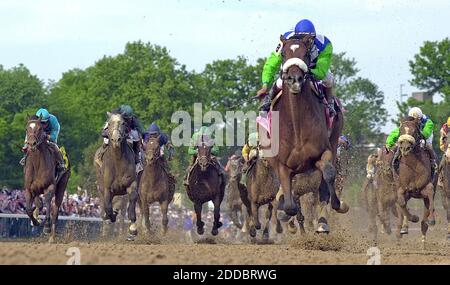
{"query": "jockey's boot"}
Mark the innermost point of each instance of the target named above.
(137, 156)
(267, 100)
(60, 164)
(100, 153)
(188, 172)
(395, 161)
(433, 158)
(25, 154)
(330, 100)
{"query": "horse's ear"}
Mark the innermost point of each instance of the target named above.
(108, 114)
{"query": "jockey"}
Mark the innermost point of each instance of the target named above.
(51, 126)
(152, 132)
(249, 153)
(192, 151)
(445, 129)
(135, 134)
(426, 127)
(320, 55)
(443, 135)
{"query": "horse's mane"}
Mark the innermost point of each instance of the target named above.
(408, 119)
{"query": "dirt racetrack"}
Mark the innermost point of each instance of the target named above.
(345, 246)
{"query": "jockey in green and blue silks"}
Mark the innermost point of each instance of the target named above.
(426, 129)
(320, 51)
(192, 151)
(51, 127)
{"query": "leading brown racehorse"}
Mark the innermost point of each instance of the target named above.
(305, 141)
(39, 178)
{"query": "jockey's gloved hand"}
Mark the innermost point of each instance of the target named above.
(422, 143)
(262, 92)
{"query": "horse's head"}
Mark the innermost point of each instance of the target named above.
(204, 146)
(35, 132)
(152, 149)
(409, 135)
(295, 63)
(117, 129)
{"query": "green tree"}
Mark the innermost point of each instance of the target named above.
(430, 68)
(362, 100)
(430, 71)
(21, 94)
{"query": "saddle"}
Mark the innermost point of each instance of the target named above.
(319, 90)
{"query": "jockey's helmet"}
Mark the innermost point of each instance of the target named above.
(253, 139)
(289, 34)
(415, 112)
(43, 114)
(126, 110)
(305, 26)
(153, 129)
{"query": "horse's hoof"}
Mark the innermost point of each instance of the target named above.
(291, 211)
(133, 230)
(47, 230)
(215, 231)
(279, 229)
(200, 231)
(343, 208)
(292, 229)
(414, 219)
(219, 225)
(282, 217)
(130, 237)
(432, 222)
(323, 228)
(258, 226)
(252, 232)
(404, 231)
(265, 236)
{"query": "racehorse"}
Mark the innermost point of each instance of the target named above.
(414, 176)
(261, 189)
(39, 178)
(155, 184)
(445, 188)
(234, 202)
(117, 174)
(305, 143)
(205, 184)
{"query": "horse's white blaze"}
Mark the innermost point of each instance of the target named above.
(407, 138)
(294, 47)
(295, 61)
(32, 125)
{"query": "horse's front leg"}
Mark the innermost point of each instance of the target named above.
(48, 197)
(285, 174)
(110, 216)
(217, 223)
(199, 223)
(31, 212)
(165, 220)
(56, 204)
(268, 220)
(132, 201)
(325, 165)
(428, 193)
